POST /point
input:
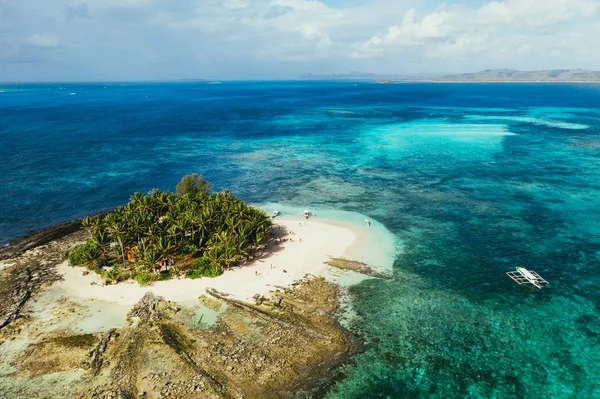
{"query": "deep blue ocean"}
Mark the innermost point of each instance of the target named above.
(472, 179)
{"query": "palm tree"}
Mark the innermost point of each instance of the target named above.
(136, 226)
(230, 255)
(150, 258)
(163, 247)
(161, 224)
(100, 239)
(215, 254)
(137, 200)
(93, 255)
(118, 232)
(153, 231)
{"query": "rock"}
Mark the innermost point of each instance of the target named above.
(39, 239)
(146, 308)
(98, 353)
(19, 284)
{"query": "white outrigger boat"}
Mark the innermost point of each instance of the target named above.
(524, 276)
(275, 214)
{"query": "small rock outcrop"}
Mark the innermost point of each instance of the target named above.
(147, 308)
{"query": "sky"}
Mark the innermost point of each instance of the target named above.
(67, 40)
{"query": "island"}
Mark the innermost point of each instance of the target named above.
(513, 75)
(162, 235)
(509, 76)
(191, 294)
(486, 76)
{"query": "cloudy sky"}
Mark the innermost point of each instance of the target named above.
(262, 39)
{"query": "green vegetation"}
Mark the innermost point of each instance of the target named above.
(193, 184)
(197, 233)
(144, 277)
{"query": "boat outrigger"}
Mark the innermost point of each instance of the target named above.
(524, 276)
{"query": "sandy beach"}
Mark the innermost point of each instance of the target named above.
(309, 243)
(123, 338)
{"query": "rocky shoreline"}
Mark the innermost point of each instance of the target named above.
(30, 263)
(287, 345)
(38, 238)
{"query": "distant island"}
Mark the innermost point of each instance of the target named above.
(355, 75)
(488, 75)
(513, 75)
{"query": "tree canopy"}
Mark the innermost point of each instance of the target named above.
(193, 184)
(196, 232)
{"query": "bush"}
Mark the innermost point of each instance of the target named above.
(144, 278)
(193, 184)
(79, 256)
(215, 270)
(202, 267)
(113, 275)
(201, 264)
(164, 276)
(190, 249)
(194, 274)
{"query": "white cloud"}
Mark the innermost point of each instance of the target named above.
(457, 31)
(286, 38)
(42, 41)
(536, 13)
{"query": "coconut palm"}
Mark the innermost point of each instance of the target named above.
(135, 224)
(163, 247)
(118, 232)
(161, 224)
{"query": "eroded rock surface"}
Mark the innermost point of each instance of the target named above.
(289, 346)
(355, 266)
(25, 273)
(281, 346)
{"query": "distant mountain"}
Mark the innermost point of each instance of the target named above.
(369, 76)
(513, 75)
(489, 75)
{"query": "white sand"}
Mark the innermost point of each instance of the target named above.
(313, 243)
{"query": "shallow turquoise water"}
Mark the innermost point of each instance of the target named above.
(200, 316)
(471, 179)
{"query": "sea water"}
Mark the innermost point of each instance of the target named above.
(471, 179)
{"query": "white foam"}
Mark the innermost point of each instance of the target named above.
(532, 120)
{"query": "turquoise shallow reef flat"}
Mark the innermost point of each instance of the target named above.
(471, 179)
